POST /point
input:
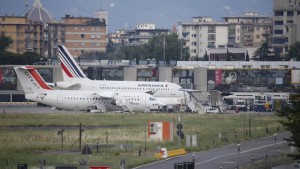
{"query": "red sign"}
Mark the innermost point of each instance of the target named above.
(218, 76)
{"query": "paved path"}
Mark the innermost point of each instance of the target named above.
(228, 157)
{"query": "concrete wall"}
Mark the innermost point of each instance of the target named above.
(200, 79)
(57, 74)
(130, 74)
(165, 74)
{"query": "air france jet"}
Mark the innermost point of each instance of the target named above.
(74, 78)
(37, 90)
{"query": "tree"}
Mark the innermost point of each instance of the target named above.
(291, 113)
(5, 41)
(294, 52)
(31, 57)
(205, 57)
(262, 53)
(247, 57)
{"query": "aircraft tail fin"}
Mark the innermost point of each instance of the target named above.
(31, 81)
(70, 68)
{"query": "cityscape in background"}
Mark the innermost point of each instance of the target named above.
(37, 31)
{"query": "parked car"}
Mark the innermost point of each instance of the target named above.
(213, 110)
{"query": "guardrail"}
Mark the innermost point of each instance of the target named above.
(171, 153)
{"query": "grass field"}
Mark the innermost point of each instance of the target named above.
(28, 138)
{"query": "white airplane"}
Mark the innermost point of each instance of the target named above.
(74, 78)
(37, 90)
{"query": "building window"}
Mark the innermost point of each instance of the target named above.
(211, 37)
(290, 21)
(257, 37)
(278, 22)
(98, 36)
(92, 36)
(98, 44)
(246, 66)
(82, 44)
(290, 13)
(278, 32)
(298, 12)
(82, 35)
(265, 66)
(278, 13)
(92, 43)
(82, 28)
(211, 29)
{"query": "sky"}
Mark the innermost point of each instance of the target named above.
(127, 13)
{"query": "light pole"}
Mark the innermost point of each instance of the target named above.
(275, 138)
(238, 153)
(61, 132)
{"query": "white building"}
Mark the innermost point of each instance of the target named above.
(249, 30)
(203, 33)
(286, 24)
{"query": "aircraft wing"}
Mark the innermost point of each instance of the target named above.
(66, 84)
(108, 94)
(189, 90)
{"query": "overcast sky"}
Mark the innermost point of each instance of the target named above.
(128, 13)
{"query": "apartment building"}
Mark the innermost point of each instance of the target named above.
(78, 34)
(26, 36)
(249, 30)
(286, 22)
(203, 33)
(36, 31)
(143, 33)
(118, 37)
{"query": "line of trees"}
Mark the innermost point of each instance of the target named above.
(160, 48)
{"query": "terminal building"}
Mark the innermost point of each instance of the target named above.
(205, 76)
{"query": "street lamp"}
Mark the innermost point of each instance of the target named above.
(61, 132)
(238, 149)
(275, 138)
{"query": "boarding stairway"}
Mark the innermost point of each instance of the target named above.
(126, 108)
(195, 101)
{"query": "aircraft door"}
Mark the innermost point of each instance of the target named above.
(59, 99)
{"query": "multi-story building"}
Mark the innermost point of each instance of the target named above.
(26, 36)
(143, 33)
(286, 24)
(38, 32)
(249, 30)
(78, 34)
(118, 37)
(27, 32)
(203, 33)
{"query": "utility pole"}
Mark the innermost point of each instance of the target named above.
(80, 135)
(164, 47)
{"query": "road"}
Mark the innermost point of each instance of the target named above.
(228, 157)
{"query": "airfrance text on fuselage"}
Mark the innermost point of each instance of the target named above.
(151, 85)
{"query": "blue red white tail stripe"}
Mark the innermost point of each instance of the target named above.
(68, 64)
